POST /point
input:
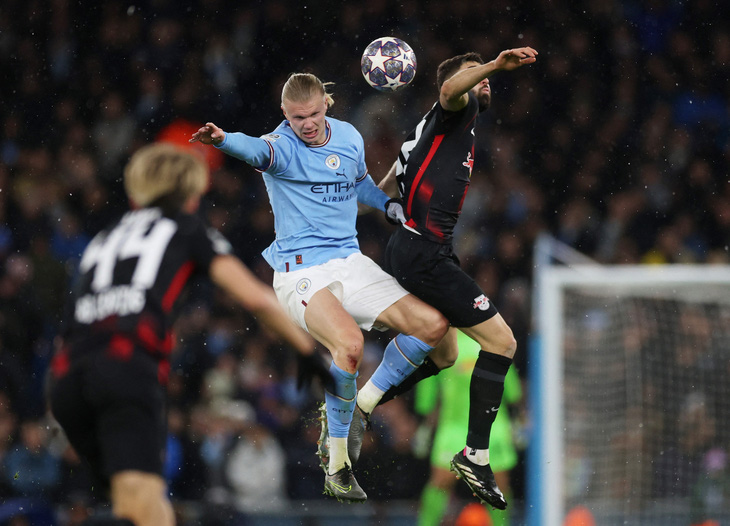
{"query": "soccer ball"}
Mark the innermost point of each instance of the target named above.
(388, 64)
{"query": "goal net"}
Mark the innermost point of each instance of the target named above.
(631, 397)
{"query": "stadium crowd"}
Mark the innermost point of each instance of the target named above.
(616, 142)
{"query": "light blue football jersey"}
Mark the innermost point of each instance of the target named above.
(313, 190)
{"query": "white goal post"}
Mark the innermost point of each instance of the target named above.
(621, 357)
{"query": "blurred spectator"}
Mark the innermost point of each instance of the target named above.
(8, 433)
(711, 492)
(113, 132)
(256, 468)
(217, 427)
(184, 469)
(30, 468)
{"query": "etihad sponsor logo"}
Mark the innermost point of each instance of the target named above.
(334, 192)
(332, 188)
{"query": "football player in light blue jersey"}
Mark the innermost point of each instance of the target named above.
(315, 173)
(314, 191)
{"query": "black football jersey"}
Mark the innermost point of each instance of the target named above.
(131, 276)
(434, 169)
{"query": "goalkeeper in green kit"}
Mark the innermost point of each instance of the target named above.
(449, 391)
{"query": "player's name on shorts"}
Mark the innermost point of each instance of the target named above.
(121, 301)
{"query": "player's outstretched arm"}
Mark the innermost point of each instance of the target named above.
(209, 134)
(229, 273)
(510, 59)
(253, 150)
(453, 95)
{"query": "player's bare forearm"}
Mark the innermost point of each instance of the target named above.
(454, 90)
(466, 79)
(389, 184)
(259, 299)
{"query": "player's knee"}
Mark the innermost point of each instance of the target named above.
(507, 344)
(498, 340)
(348, 354)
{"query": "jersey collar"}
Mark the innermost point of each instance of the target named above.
(328, 136)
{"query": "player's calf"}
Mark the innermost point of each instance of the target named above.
(141, 497)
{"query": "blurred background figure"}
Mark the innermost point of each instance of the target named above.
(30, 468)
(473, 514)
(448, 394)
(711, 492)
(579, 516)
(255, 467)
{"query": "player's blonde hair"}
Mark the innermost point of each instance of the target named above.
(163, 172)
(300, 87)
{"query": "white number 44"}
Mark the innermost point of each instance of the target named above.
(143, 234)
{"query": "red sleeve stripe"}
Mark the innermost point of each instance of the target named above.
(431, 152)
(175, 288)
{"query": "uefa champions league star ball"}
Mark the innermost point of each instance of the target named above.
(388, 64)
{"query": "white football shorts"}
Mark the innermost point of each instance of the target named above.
(364, 289)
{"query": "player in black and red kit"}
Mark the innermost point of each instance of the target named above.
(432, 176)
(108, 375)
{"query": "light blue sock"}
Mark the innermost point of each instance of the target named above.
(341, 404)
(402, 356)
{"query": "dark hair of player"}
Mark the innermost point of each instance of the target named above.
(450, 66)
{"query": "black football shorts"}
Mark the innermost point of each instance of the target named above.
(113, 413)
(431, 272)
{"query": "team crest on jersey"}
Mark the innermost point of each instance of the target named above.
(332, 161)
(481, 302)
(303, 285)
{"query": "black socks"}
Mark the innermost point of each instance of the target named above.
(485, 394)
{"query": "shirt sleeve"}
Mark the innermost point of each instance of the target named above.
(255, 151)
(367, 191)
(369, 194)
(447, 121)
(205, 242)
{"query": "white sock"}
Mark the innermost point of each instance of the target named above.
(369, 396)
(338, 454)
(480, 457)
